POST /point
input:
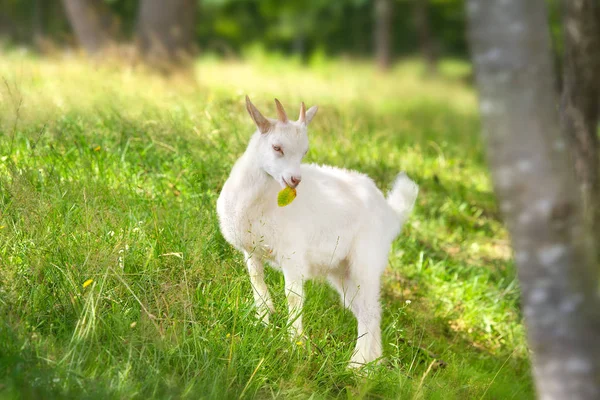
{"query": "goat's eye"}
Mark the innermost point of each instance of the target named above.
(278, 149)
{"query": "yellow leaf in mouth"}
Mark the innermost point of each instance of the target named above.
(286, 196)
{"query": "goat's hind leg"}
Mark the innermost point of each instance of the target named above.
(363, 300)
(367, 310)
(262, 298)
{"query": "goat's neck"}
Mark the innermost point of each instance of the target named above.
(249, 178)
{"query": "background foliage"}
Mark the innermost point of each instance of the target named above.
(227, 26)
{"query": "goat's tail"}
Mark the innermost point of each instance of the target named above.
(403, 195)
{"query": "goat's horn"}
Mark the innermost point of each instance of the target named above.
(281, 115)
(261, 122)
(302, 117)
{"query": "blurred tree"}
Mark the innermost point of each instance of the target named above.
(302, 25)
(383, 33)
(331, 28)
(537, 190)
(37, 20)
(427, 43)
(166, 33)
(93, 23)
(581, 96)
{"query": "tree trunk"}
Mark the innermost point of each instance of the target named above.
(426, 42)
(92, 23)
(383, 37)
(166, 33)
(580, 98)
(299, 44)
(37, 21)
(538, 195)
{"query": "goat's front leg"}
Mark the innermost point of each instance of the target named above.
(294, 291)
(262, 299)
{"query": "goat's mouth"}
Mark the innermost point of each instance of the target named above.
(286, 183)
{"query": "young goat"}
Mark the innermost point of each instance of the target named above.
(340, 226)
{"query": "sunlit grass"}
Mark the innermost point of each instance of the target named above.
(114, 278)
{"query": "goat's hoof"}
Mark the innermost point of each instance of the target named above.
(263, 317)
(355, 365)
(359, 363)
(296, 335)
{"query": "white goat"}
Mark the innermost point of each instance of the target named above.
(340, 225)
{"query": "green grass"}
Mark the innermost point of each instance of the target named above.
(111, 174)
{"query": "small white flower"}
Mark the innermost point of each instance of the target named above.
(408, 301)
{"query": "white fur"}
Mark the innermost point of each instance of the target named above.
(340, 226)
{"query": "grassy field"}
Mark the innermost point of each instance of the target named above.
(110, 174)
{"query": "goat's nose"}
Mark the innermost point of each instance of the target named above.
(296, 180)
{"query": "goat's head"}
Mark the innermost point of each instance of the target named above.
(282, 143)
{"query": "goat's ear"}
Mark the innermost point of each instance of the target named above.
(310, 114)
(261, 122)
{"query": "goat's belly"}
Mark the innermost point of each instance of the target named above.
(323, 261)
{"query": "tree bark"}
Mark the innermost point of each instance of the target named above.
(426, 42)
(538, 195)
(37, 20)
(580, 98)
(383, 36)
(166, 32)
(92, 23)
